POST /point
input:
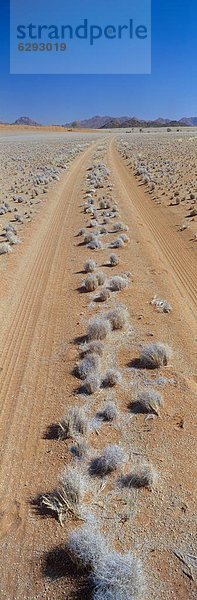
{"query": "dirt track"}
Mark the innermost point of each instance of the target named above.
(39, 317)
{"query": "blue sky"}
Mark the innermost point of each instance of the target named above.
(170, 90)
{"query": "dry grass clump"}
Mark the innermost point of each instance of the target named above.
(101, 277)
(108, 412)
(94, 347)
(89, 237)
(112, 377)
(118, 577)
(11, 238)
(118, 243)
(118, 283)
(149, 401)
(92, 383)
(66, 499)
(113, 260)
(82, 231)
(120, 227)
(118, 317)
(114, 576)
(89, 266)
(161, 305)
(110, 460)
(86, 546)
(156, 355)
(98, 328)
(86, 365)
(91, 283)
(5, 248)
(74, 423)
(104, 295)
(143, 476)
(124, 237)
(95, 245)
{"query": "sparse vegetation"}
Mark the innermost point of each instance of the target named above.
(90, 266)
(92, 383)
(67, 498)
(110, 460)
(112, 377)
(74, 423)
(118, 283)
(113, 260)
(104, 295)
(108, 412)
(90, 283)
(143, 475)
(149, 401)
(88, 364)
(156, 355)
(98, 328)
(118, 317)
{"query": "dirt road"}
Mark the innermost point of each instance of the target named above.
(40, 317)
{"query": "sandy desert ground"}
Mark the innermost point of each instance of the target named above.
(127, 454)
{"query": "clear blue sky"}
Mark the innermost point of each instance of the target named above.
(170, 91)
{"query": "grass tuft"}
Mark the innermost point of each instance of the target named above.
(143, 476)
(110, 460)
(155, 355)
(98, 328)
(74, 423)
(112, 377)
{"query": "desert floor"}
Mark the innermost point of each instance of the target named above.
(43, 321)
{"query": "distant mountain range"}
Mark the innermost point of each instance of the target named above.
(108, 122)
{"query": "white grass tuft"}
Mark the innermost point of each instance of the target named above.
(118, 283)
(112, 377)
(150, 401)
(74, 423)
(118, 317)
(156, 355)
(98, 328)
(110, 460)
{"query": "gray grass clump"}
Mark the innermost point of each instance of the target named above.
(95, 245)
(94, 347)
(5, 248)
(90, 266)
(89, 237)
(67, 497)
(87, 365)
(112, 377)
(149, 401)
(124, 237)
(82, 231)
(11, 238)
(74, 423)
(118, 283)
(90, 283)
(120, 227)
(114, 576)
(118, 577)
(153, 356)
(104, 295)
(113, 260)
(118, 243)
(161, 305)
(92, 383)
(86, 546)
(143, 476)
(118, 317)
(110, 460)
(98, 328)
(108, 412)
(101, 277)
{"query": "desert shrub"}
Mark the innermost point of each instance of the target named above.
(120, 226)
(93, 223)
(102, 230)
(114, 576)
(104, 295)
(74, 423)
(110, 460)
(156, 355)
(94, 347)
(89, 266)
(90, 283)
(118, 317)
(118, 283)
(111, 378)
(149, 401)
(101, 277)
(108, 412)
(66, 499)
(118, 577)
(95, 245)
(98, 328)
(118, 243)
(124, 237)
(92, 383)
(161, 305)
(113, 260)
(89, 237)
(80, 451)
(11, 238)
(5, 248)
(142, 476)
(86, 365)
(82, 231)
(86, 546)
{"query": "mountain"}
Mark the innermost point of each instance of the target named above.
(115, 123)
(25, 121)
(189, 121)
(96, 122)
